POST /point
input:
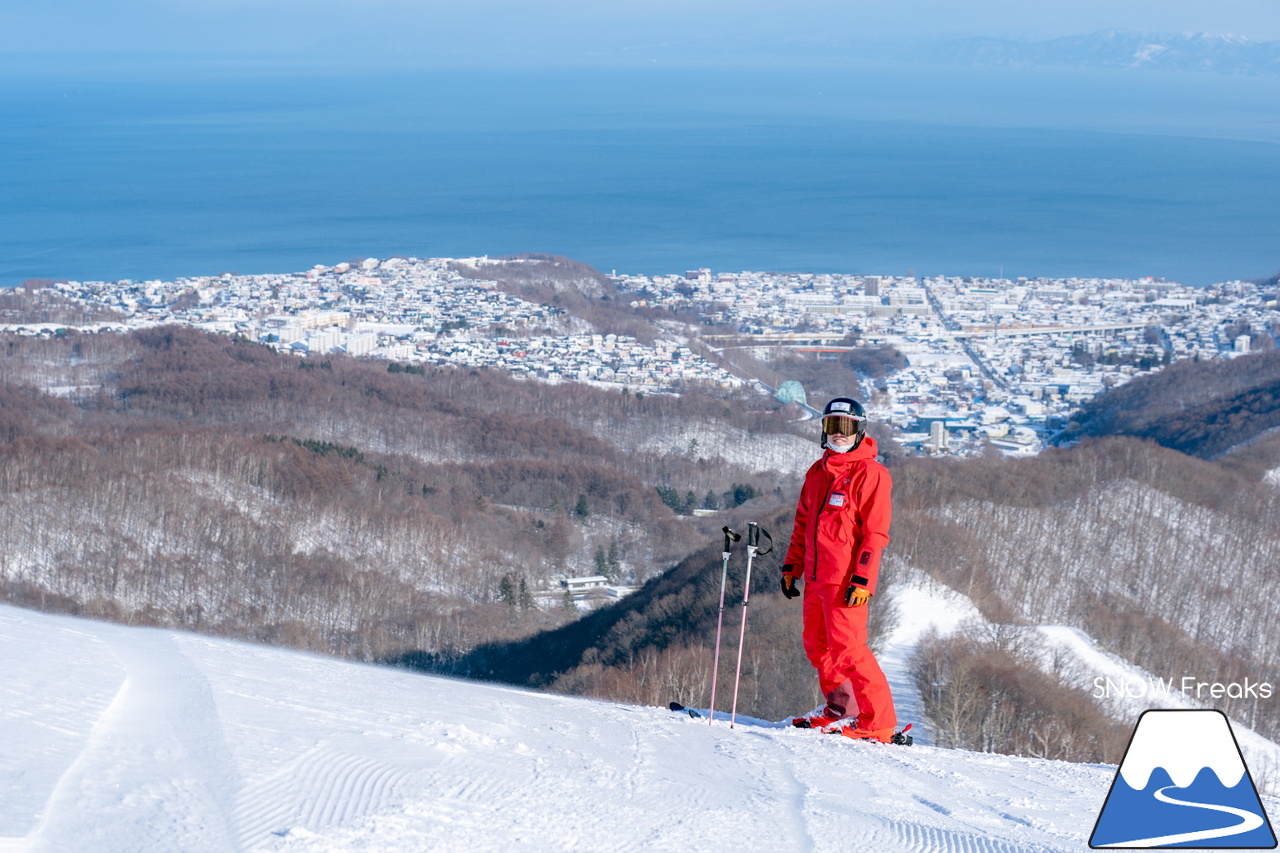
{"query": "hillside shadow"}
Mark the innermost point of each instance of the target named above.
(679, 606)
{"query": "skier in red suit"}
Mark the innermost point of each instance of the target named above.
(841, 527)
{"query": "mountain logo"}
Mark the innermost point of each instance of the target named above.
(1183, 783)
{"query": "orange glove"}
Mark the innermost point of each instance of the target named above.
(856, 596)
(789, 583)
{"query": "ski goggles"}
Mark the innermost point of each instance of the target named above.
(841, 424)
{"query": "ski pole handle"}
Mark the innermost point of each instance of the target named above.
(729, 538)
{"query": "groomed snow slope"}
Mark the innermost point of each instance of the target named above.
(126, 739)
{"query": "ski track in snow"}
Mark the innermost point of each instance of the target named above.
(321, 788)
(123, 739)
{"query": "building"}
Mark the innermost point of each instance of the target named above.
(581, 587)
(938, 435)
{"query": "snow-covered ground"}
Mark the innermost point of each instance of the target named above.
(129, 739)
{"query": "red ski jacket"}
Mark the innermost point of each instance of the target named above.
(842, 519)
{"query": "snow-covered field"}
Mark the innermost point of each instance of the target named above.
(127, 739)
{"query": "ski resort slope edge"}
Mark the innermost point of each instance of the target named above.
(127, 739)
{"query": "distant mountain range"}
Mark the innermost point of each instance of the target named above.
(1221, 54)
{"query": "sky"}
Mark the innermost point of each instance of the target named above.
(548, 31)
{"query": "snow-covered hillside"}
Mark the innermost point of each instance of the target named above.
(775, 452)
(126, 739)
(1123, 690)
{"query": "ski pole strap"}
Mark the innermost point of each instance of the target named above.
(753, 538)
(729, 537)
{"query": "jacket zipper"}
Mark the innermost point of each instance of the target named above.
(831, 488)
(822, 506)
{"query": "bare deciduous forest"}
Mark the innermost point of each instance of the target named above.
(171, 477)
(1201, 409)
(185, 479)
(1166, 560)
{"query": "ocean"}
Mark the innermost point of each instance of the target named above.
(160, 168)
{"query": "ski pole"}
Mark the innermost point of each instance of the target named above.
(729, 538)
(753, 541)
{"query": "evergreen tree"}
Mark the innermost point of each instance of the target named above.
(582, 510)
(669, 496)
(507, 591)
(613, 565)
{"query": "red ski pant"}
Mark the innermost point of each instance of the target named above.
(835, 640)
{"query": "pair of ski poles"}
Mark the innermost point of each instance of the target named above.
(753, 549)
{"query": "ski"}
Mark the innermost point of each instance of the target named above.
(899, 738)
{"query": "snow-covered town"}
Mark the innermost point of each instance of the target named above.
(413, 311)
(990, 362)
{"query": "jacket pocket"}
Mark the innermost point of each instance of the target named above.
(837, 526)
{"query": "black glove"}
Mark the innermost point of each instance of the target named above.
(789, 582)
